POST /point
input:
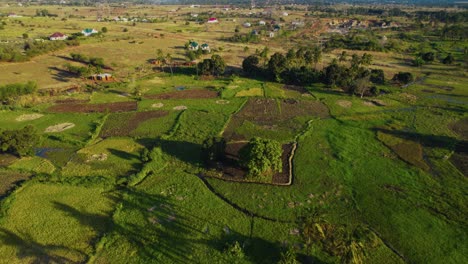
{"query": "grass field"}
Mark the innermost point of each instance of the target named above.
(118, 175)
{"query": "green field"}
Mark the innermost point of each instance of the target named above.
(120, 173)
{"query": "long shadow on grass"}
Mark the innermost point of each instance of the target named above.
(26, 247)
(432, 141)
(185, 151)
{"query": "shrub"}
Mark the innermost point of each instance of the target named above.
(403, 77)
(261, 156)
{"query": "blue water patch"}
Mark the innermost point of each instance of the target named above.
(180, 88)
(42, 152)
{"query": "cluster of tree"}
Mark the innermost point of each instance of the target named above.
(442, 16)
(213, 66)
(19, 142)
(10, 92)
(259, 157)
(82, 71)
(44, 13)
(428, 57)
(32, 48)
(93, 61)
(298, 67)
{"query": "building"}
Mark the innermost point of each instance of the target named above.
(271, 34)
(193, 45)
(58, 36)
(213, 20)
(101, 77)
(261, 23)
(205, 47)
(247, 24)
(88, 32)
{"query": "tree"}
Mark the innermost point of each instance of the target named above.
(261, 156)
(204, 67)
(104, 29)
(403, 77)
(449, 59)
(418, 61)
(317, 55)
(276, 65)
(218, 65)
(343, 56)
(25, 35)
(250, 65)
(168, 61)
(19, 142)
(366, 59)
(377, 76)
(428, 56)
(361, 86)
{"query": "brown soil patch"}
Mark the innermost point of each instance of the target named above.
(7, 159)
(185, 94)
(59, 127)
(9, 179)
(122, 124)
(28, 117)
(427, 91)
(344, 103)
(273, 114)
(90, 108)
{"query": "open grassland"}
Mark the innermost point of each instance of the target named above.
(54, 223)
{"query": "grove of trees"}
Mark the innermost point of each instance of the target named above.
(19, 142)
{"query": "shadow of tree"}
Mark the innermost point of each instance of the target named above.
(28, 248)
(61, 75)
(432, 141)
(185, 151)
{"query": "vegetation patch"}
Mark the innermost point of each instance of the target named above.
(89, 108)
(344, 103)
(10, 179)
(408, 150)
(185, 94)
(55, 223)
(280, 119)
(34, 164)
(122, 124)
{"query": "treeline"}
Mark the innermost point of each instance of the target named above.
(31, 49)
(298, 67)
(94, 61)
(19, 142)
(93, 65)
(10, 92)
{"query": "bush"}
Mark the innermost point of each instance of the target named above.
(261, 156)
(403, 77)
(19, 142)
(10, 92)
